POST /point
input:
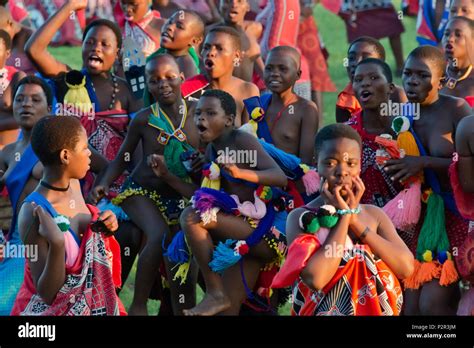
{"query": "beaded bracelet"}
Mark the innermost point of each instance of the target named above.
(349, 211)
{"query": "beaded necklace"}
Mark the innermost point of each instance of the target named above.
(114, 93)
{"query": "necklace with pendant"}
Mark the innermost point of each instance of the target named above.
(451, 82)
(178, 134)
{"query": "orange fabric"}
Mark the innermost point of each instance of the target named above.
(362, 285)
(310, 47)
(347, 100)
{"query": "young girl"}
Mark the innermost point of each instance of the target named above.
(433, 287)
(461, 172)
(457, 39)
(78, 266)
(345, 263)
(252, 234)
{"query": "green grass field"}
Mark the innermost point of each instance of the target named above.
(333, 32)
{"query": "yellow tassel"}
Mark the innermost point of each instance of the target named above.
(182, 272)
(407, 142)
(448, 273)
(78, 96)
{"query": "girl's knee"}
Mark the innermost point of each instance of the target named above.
(189, 217)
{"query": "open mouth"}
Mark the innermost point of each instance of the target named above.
(365, 96)
(274, 83)
(209, 64)
(166, 36)
(411, 94)
(201, 128)
(95, 61)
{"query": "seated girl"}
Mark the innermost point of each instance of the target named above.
(344, 258)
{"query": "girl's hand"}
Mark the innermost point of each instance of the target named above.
(355, 195)
(403, 168)
(232, 169)
(77, 5)
(97, 193)
(158, 165)
(110, 221)
(335, 199)
(47, 226)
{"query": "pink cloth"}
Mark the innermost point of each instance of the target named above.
(72, 249)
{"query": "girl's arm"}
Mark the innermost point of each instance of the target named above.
(121, 161)
(266, 171)
(385, 242)
(323, 264)
(308, 129)
(37, 228)
(37, 46)
(465, 153)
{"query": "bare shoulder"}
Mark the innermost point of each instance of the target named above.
(141, 117)
(26, 220)
(249, 89)
(465, 128)
(253, 28)
(244, 139)
(307, 105)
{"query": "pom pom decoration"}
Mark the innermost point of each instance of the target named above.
(212, 176)
(62, 222)
(405, 208)
(311, 222)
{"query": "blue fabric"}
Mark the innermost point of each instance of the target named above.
(11, 275)
(428, 13)
(39, 199)
(91, 92)
(264, 102)
(431, 177)
(18, 178)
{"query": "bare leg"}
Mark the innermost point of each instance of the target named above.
(201, 243)
(234, 285)
(396, 44)
(439, 300)
(154, 228)
(129, 237)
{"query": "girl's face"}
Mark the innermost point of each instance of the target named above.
(211, 119)
(134, 9)
(463, 8)
(99, 50)
(339, 163)
(422, 81)
(358, 52)
(179, 31)
(164, 80)
(281, 72)
(454, 40)
(29, 105)
(371, 86)
(219, 54)
(79, 158)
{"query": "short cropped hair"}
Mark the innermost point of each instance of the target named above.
(7, 40)
(335, 131)
(51, 134)
(234, 35)
(432, 54)
(378, 47)
(385, 68)
(227, 101)
(35, 80)
(105, 22)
